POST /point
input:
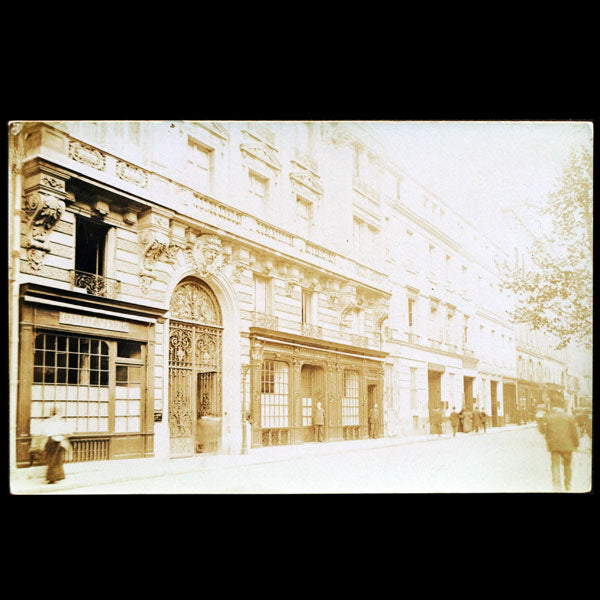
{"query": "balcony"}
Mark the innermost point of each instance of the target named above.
(413, 338)
(96, 285)
(359, 340)
(265, 320)
(310, 330)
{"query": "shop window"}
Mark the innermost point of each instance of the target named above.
(274, 406)
(128, 396)
(90, 246)
(351, 399)
(71, 374)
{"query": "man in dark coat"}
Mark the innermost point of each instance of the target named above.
(319, 422)
(454, 420)
(374, 421)
(562, 439)
(483, 418)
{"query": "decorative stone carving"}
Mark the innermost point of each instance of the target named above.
(132, 174)
(194, 301)
(45, 211)
(152, 251)
(261, 151)
(306, 179)
(87, 155)
(205, 254)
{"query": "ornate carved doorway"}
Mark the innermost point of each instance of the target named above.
(195, 370)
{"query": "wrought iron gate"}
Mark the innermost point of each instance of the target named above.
(195, 358)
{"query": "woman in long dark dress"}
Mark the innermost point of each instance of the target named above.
(58, 441)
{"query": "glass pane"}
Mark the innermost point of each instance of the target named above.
(134, 408)
(50, 342)
(48, 406)
(72, 393)
(36, 409)
(84, 346)
(62, 343)
(134, 423)
(83, 393)
(135, 374)
(38, 374)
(61, 376)
(39, 340)
(104, 409)
(103, 377)
(94, 378)
(73, 345)
(94, 349)
(61, 392)
(121, 391)
(81, 424)
(120, 424)
(93, 393)
(49, 392)
(82, 409)
(104, 394)
(71, 409)
(61, 360)
(38, 357)
(120, 407)
(104, 348)
(135, 392)
(50, 359)
(36, 392)
(121, 373)
(93, 409)
(93, 424)
(94, 362)
(104, 363)
(35, 426)
(103, 424)
(73, 361)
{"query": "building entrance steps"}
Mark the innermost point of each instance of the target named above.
(80, 475)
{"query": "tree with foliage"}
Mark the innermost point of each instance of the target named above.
(554, 293)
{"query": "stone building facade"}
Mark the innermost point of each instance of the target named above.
(168, 280)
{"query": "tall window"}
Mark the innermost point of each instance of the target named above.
(351, 399)
(261, 295)
(411, 312)
(258, 192)
(199, 158)
(304, 136)
(90, 246)
(356, 320)
(304, 217)
(365, 238)
(307, 306)
(448, 268)
(274, 403)
(431, 258)
(465, 330)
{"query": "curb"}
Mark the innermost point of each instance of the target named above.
(170, 468)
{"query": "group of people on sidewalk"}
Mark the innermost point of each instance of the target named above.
(466, 420)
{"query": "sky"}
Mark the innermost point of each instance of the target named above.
(480, 167)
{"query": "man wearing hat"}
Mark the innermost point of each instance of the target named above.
(562, 439)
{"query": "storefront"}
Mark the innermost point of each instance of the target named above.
(290, 374)
(90, 362)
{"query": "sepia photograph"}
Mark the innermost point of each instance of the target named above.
(300, 307)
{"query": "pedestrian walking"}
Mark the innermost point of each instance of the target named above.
(476, 420)
(467, 421)
(436, 421)
(562, 440)
(454, 421)
(374, 421)
(248, 431)
(484, 419)
(319, 422)
(56, 432)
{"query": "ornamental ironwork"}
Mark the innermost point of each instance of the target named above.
(260, 319)
(195, 301)
(96, 284)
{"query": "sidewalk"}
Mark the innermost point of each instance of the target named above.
(79, 475)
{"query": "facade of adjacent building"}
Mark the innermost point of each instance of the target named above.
(169, 280)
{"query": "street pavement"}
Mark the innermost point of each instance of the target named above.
(503, 460)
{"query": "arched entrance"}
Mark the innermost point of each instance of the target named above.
(195, 369)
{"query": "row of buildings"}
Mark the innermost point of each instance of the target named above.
(168, 278)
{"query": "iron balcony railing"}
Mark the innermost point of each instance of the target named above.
(96, 284)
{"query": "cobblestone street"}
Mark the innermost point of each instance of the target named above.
(500, 462)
